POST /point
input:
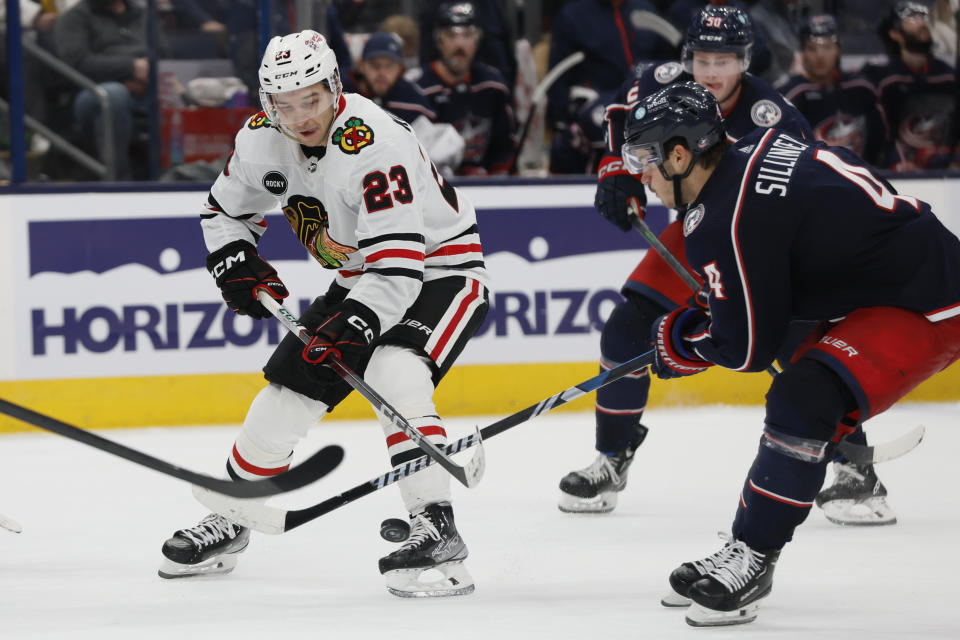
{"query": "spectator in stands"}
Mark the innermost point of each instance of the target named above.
(943, 18)
(918, 93)
(682, 12)
(409, 32)
(470, 95)
(614, 39)
(106, 40)
(379, 76)
(840, 106)
(496, 46)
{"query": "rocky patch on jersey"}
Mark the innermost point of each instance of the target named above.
(692, 219)
(667, 72)
(354, 136)
(765, 113)
(308, 219)
(258, 120)
(275, 182)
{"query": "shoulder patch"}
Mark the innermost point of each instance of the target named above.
(692, 219)
(275, 182)
(667, 72)
(765, 113)
(352, 137)
(258, 120)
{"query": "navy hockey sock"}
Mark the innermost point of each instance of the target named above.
(620, 405)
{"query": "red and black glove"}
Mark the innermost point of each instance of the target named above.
(673, 358)
(240, 273)
(615, 188)
(346, 333)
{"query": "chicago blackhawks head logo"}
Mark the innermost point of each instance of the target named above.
(354, 136)
(308, 218)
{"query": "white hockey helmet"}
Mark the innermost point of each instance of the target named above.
(294, 62)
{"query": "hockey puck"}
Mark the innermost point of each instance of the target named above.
(394, 530)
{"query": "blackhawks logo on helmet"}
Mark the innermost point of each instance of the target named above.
(354, 136)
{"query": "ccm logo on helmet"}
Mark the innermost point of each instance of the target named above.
(221, 267)
(281, 76)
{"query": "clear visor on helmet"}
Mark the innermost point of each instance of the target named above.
(292, 108)
(719, 62)
(641, 157)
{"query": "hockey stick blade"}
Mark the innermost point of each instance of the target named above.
(874, 454)
(10, 524)
(317, 466)
(261, 517)
(468, 475)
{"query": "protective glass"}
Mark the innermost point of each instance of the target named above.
(292, 108)
(638, 158)
(715, 61)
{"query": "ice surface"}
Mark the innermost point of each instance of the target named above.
(85, 564)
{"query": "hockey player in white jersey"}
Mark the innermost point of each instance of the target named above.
(409, 292)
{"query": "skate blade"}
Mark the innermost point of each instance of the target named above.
(452, 579)
(212, 567)
(872, 512)
(674, 599)
(700, 616)
(603, 503)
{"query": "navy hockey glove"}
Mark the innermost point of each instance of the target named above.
(615, 187)
(673, 358)
(346, 333)
(240, 273)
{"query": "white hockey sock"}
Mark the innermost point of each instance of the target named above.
(277, 420)
(404, 379)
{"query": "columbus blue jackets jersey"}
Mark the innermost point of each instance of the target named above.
(921, 111)
(845, 114)
(788, 230)
(481, 110)
(369, 205)
(404, 99)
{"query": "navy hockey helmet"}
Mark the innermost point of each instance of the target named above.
(821, 27)
(719, 30)
(684, 110)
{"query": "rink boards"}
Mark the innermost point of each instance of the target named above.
(110, 319)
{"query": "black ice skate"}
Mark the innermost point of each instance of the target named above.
(683, 577)
(209, 548)
(857, 497)
(434, 543)
(731, 591)
(594, 489)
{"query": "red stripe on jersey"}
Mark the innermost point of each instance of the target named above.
(455, 249)
(346, 273)
(944, 313)
(262, 223)
(779, 498)
(395, 253)
(250, 468)
(457, 317)
(429, 430)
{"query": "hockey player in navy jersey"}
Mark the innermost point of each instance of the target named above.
(782, 229)
(470, 95)
(841, 106)
(716, 54)
(408, 292)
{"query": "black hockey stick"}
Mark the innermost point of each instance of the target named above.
(468, 475)
(317, 466)
(267, 519)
